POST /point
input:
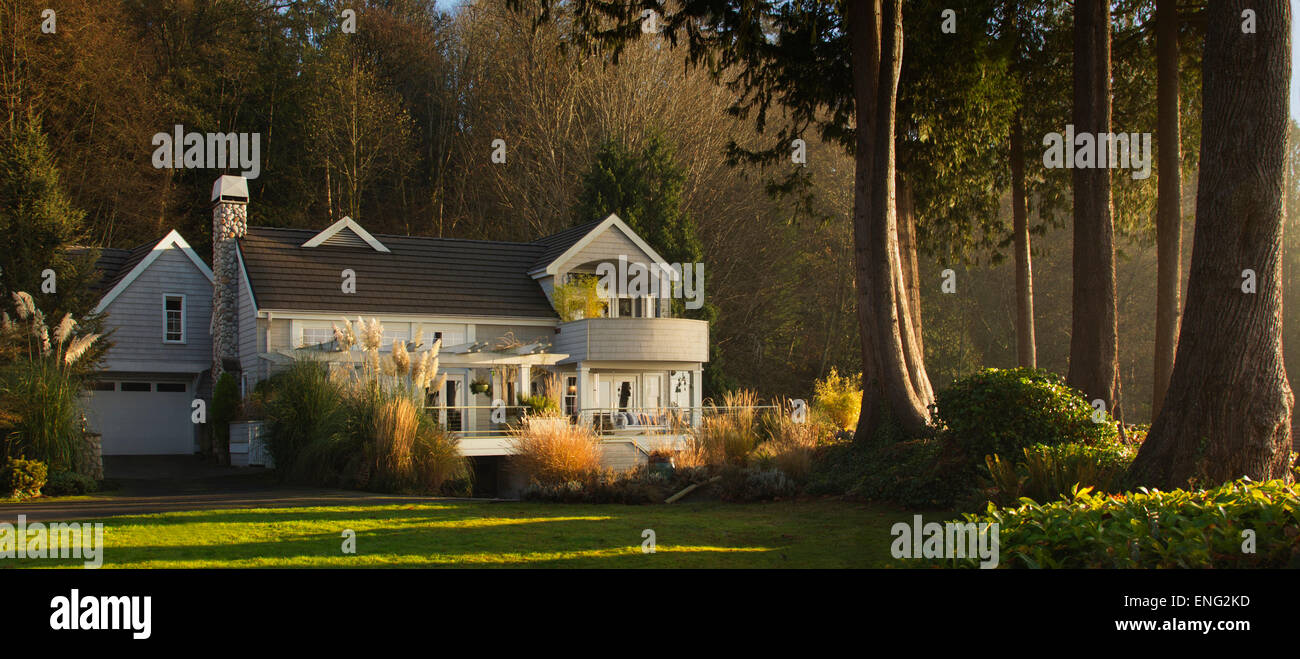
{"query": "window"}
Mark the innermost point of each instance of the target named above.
(170, 387)
(401, 332)
(136, 386)
(312, 336)
(103, 386)
(173, 319)
(571, 395)
(625, 307)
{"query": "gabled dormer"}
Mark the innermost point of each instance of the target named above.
(581, 250)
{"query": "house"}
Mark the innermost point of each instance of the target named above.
(275, 293)
(158, 301)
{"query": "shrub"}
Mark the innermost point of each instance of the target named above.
(303, 405)
(1002, 411)
(67, 483)
(552, 451)
(755, 484)
(634, 486)
(541, 405)
(578, 298)
(22, 479)
(920, 473)
(1152, 529)
(363, 429)
(839, 398)
(225, 403)
(1050, 472)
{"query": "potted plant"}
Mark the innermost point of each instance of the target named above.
(479, 386)
(661, 462)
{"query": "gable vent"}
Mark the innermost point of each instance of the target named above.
(346, 233)
(345, 238)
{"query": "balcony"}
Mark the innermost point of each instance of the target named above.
(634, 339)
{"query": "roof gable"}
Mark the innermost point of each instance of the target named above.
(346, 233)
(138, 260)
(568, 244)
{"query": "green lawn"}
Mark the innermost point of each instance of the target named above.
(808, 534)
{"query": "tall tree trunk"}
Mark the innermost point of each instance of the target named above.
(1169, 217)
(1026, 348)
(891, 366)
(1227, 411)
(1094, 339)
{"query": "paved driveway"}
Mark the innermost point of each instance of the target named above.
(157, 484)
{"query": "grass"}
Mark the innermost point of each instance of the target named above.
(805, 534)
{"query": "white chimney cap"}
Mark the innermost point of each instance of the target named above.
(230, 188)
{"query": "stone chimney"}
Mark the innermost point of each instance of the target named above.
(229, 222)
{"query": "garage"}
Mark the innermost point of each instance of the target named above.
(142, 416)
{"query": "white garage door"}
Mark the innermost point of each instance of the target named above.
(142, 417)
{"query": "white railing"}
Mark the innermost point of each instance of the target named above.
(606, 421)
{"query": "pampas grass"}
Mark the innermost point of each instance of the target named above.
(552, 451)
(40, 410)
(376, 435)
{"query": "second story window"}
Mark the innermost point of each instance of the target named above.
(173, 319)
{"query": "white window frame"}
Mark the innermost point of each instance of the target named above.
(184, 307)
(297, 326)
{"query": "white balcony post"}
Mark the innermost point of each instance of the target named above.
(584, 392)
(697, 396)
(525, 379)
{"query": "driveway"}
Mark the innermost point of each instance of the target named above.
(159, 484)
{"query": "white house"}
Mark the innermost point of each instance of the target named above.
(274, 292)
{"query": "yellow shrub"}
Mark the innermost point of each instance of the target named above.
(839, 398)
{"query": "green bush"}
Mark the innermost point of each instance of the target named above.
(540, 405)
(225, 402)
(920, 473)
(302, 405)
(1002, 411)
(1152, 529)
(68, 483)
(22, 479)
(1049, 472)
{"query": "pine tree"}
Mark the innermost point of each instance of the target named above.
(40, 224)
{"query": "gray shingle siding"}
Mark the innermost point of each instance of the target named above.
(137, 315)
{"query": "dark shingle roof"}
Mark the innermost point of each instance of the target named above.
(434, 276)
(557, 243)
(113, 264)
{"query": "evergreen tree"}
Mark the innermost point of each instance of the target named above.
(39, 223)
(643, 187)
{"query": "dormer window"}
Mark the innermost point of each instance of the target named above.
(173, 319)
